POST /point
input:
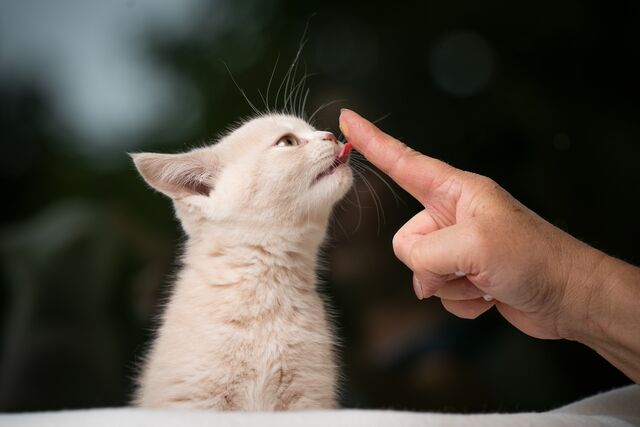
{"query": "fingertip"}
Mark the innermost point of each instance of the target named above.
(344, 127)
(346, 121)
(385, 152)
(469, 309)
(368, 139)
(346, 111)
(429, 284)
(417, 288)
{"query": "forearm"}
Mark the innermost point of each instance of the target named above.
(608, 307)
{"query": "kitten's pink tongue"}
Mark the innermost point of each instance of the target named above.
(344, 153)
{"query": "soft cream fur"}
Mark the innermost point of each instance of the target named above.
(245, 328)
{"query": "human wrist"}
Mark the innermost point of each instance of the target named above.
(595, 293)
(611, 324)
(586, 270)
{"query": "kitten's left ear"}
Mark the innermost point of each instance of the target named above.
(178, 175)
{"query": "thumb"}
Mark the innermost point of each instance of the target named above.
(411, 170)
(444, 252)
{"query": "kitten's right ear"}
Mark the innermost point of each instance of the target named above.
(178, 175)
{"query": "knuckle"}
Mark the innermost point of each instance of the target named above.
(489, 182)
(406, 153)
(481, 182)
(484, 182)
(430, 284)
(398, 243)
(482, 280)
(417, 258)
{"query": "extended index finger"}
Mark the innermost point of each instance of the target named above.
(412, 170)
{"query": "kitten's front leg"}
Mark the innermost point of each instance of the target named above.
(306, 403)
(307, 393)
(299, 401)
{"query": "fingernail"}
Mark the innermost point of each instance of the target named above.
(417, 288)
(487, 298)
(344, 128)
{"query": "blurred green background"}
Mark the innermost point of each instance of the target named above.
(540, 95)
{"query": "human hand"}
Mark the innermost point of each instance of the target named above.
(474, 239)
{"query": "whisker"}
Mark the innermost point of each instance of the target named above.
(374, 196)
(323, 106)
(355, 191)
(304, 103)
(293, 67)
(264, 101)
(366, 168)
(288, 87)
(296, 90)
(379, 119)
(302, 95)
(241, 90)
(337, 221)
(273, 72)
(284, 79)
(362, 161)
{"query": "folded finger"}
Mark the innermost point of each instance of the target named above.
(469, 309)
(459, 290)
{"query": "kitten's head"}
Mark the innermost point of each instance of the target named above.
(274, 169)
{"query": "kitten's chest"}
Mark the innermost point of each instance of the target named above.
(274, 322)
(254, 348)
(277, 318)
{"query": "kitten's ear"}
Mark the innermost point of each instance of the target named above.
(178, 175)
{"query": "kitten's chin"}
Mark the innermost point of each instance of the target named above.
(332, 187)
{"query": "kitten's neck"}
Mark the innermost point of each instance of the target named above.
(234, 254)
(305, 238)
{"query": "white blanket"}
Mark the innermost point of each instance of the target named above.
(619, 407)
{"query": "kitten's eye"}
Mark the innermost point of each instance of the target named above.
(287, 141)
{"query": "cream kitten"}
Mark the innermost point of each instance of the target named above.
(245, 328)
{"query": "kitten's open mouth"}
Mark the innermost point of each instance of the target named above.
(339, 161)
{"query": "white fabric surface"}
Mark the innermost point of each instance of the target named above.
(617, 408)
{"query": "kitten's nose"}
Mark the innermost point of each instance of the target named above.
(328, 136)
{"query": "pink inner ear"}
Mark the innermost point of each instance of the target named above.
(199, 187)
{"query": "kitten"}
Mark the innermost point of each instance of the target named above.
(245, 328)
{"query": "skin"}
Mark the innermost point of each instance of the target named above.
(473, 239)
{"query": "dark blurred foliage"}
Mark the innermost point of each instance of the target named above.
(542, 96)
